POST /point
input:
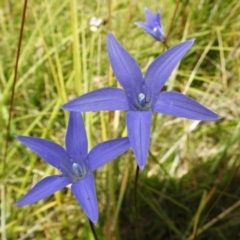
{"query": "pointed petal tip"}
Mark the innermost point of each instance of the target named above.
(62, 107)
(20, 138)
(212, 117)
(141, 25)
(141, 167)
(102, 99)
(146, 9)
(107, 151)
(65, 107)
(76, 139)
(187, 43)
(190, 42)
(69, 107)
(17, 204)
(138, 126)
(111, 38)
(16, 136)
(179, 105)
(110, 35)
(85, 193)
(94, 220)
(217, 117)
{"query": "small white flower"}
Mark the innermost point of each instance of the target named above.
(95, 23)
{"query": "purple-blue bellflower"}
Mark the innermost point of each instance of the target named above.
(141, 96)
(75, 164)
(153, 25)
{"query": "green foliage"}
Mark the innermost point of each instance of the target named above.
(189, 163)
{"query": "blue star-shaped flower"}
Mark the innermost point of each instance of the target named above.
(140, 95)
(75, 163)
(153, 25)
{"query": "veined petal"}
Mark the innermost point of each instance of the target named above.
(139, 126)
(43, 189)
(177, 104)
(153, 25)
(97, 100)
(84, 191)
(155, 30)
(145, 26)
(76, 138)
(158, 18)
(150, 17)
(51, 152)
(125, 67)
(107, 151)
(161, 68)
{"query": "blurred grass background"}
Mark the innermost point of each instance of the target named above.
(190, 163)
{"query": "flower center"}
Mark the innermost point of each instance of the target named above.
(142, 100)
(79, 171)
(74, 170)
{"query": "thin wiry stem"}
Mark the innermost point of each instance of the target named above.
(221, 194)
(14, 83)
(171, 25)
(165, 46)
(216, 219)
(93, 230)
(135, 201)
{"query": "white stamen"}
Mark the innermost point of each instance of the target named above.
(141, 99)
(77, 170)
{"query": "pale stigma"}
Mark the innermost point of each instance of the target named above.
(77, 170)
(142, 99)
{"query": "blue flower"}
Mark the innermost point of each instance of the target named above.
(140, 95)
(153, 25)
(75, 163)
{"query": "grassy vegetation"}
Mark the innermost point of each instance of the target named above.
(190, 163)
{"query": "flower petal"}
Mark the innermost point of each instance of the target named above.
(107, 151)
(155, 31)
(125, 67)
(145, 26)
(84, 191)
(177, 104)
(76, 138)
(101, 99)
(139, 126)
(153, 25)
(158, 18)
(51, 152)
(161, 68)
(150, 17)
(43, 189)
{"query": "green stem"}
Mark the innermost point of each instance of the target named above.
(135, 201)
(93, 230)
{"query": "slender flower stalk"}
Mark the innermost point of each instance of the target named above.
(141, 96)
(153, 25)
(75, 164)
